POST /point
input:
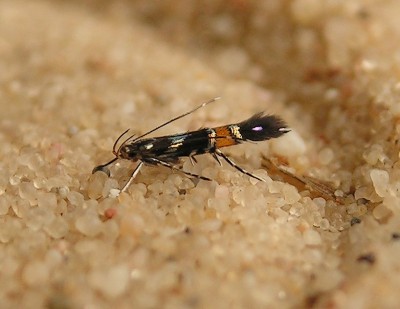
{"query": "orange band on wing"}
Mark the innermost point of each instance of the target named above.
(224, 137)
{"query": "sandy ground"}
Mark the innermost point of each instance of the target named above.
(322, 231)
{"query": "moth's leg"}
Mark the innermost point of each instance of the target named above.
(192, 160)
(216, 158)
(133, 175)
(166, 164)
(231, 163)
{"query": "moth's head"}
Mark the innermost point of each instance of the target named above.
(127, 149)
(124, 151)
(128, 152)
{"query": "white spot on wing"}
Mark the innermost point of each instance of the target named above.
(177, 141)
(236, 131)
(175, 145)
(211, 137)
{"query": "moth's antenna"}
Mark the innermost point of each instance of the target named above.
(176, 118)
(116, 142)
